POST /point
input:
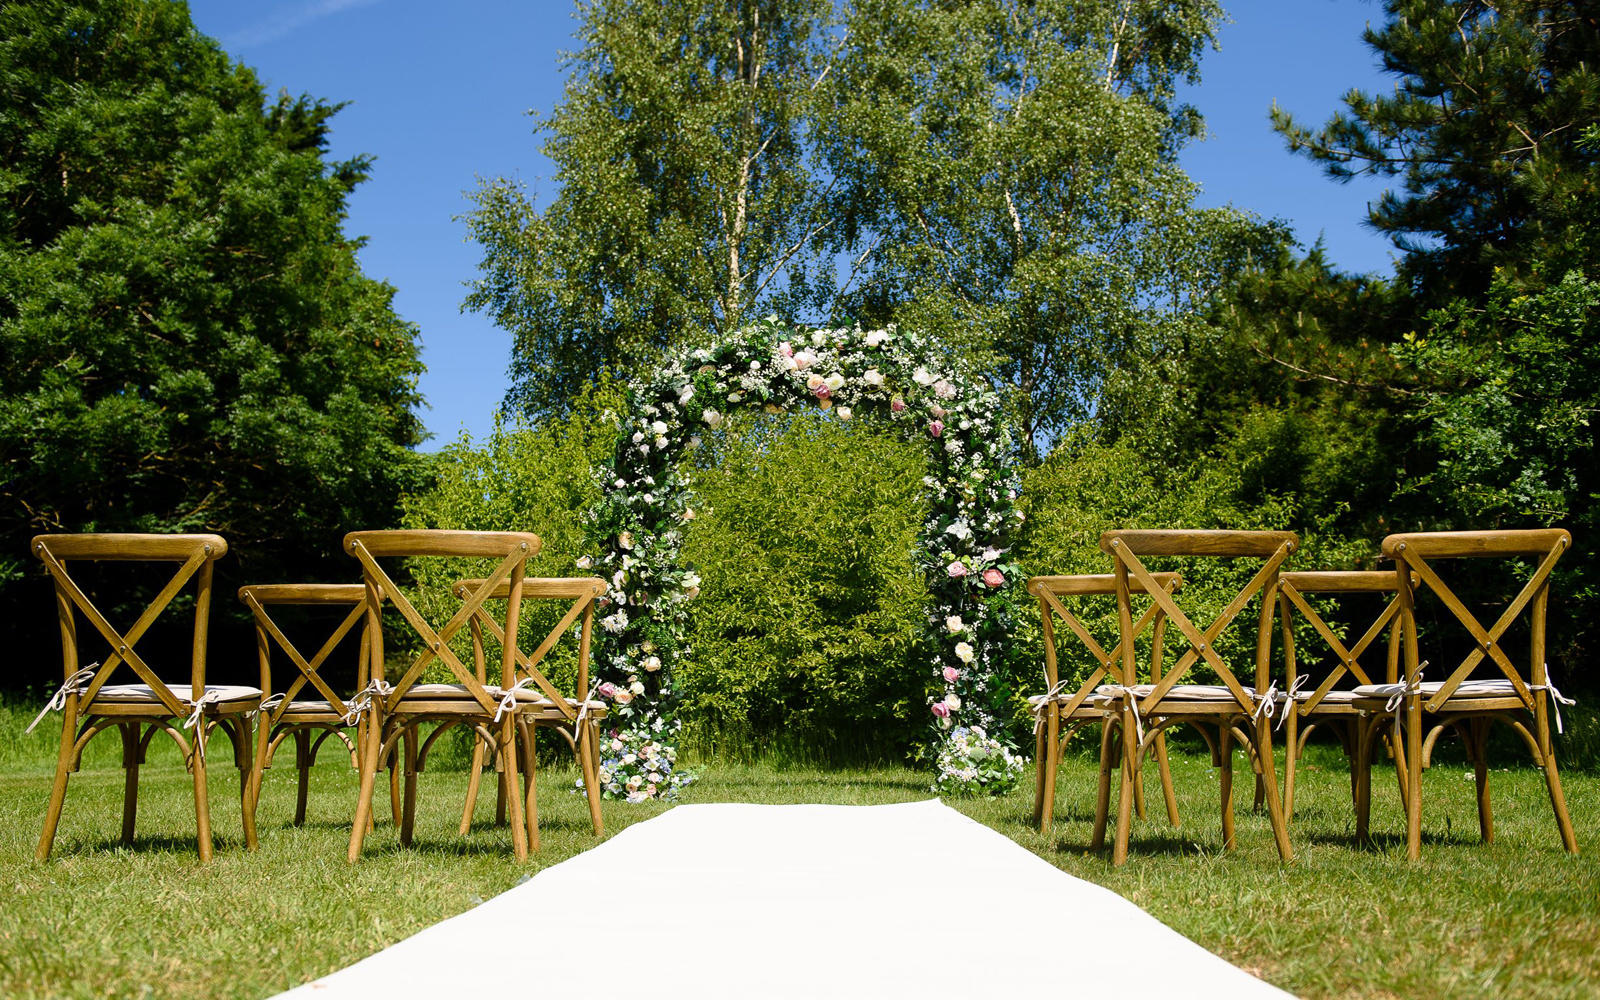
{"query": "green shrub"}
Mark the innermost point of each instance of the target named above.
(803, 640)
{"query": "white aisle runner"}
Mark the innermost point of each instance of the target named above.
(912, 900)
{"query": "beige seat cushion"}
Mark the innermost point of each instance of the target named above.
(1500, 688)
(144, 692)
(532, 696)
(1331, 698)
(1181, 692)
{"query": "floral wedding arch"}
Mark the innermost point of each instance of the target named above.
(639, 524)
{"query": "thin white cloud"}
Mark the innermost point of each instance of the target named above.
(286, 22)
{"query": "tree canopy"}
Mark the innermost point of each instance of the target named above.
(1003, 175)
(187, 340)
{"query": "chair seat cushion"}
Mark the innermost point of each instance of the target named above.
(1331, 698)
(1500, 688)
(1181, 692)
(304, 706)
(145, 693)
(446, 692)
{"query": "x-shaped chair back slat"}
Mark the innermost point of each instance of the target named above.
(513, 549)
(1051, 589)
(582, 591)
(1292, 588)
(259, 598)
(195, 555)
(1126, 546)
(1412, 551)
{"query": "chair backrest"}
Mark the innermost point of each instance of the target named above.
(581, 591)
(1270, 548)
(194, 554)
(1413, 551)
(350, 596)
(1342, 659)
(513, 549)
(1050, 590)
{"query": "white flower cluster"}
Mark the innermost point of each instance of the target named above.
(637, 529)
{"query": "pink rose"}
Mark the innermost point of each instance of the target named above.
(936, 428)
(607, 690)
(804, 359)
(944, 390)
(941, 710)
(897, 404)
(786, 350)
(957, 570)
(951, 675)
(822, 391)
(993, 577)
(623, 696)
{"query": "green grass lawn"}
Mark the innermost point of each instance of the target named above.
(1514, 918)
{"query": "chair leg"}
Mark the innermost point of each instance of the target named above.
(130, 780)
(394, 785)
(408, 805)
(242, 759)
(1049, 767)
(202, 798)
(1291, 757)
(589, 761)
(530, 782)
(302, 764)
(1040, 766)
(1478, 734)
(1413, 744)
(1129, 779)
(1167, 791)
(1260, 793)
(1102, 800)
(369, 777)
(1362, 768)
(1269, 780)
(1225, 773)
(1558, 801)
(508, 754)
(474, 778)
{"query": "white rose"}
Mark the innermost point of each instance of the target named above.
(815, 381)
(805, 359)
(685, 394)
(659, 427)
(964, 654)
(638, 436)
(872, 377)
(712, 418)
(876, 337)
(921, 377)
(625, 539)
(835, 382)
(952, 702)
(844, 413)
(954, 623)
(637, 687)
(818, 339)
(661, 443)
(788, 364)
(691, 579)
(652, 663)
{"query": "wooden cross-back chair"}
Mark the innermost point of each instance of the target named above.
(1222, 713)
(1518, 694)
(140, 710)
(397, 709)
(308, 721)
(577, 719)
(1059, 713)
(1330, 700)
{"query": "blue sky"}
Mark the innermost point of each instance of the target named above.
(439, 94)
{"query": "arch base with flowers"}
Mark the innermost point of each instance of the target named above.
(638, 528)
